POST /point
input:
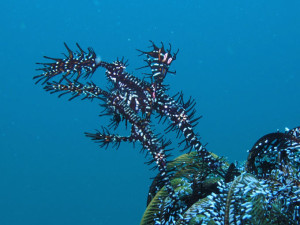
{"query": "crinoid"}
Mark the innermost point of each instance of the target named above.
(264, 191)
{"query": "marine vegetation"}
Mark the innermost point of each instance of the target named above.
(197, 187)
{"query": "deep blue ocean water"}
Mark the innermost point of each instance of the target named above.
(238, 59)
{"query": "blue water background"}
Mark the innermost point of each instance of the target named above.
(238, 59)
